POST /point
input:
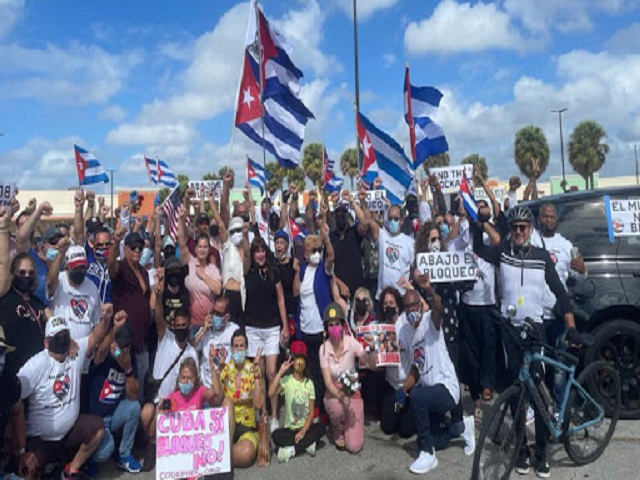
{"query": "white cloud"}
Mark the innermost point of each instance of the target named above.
(113, 113)
(388, 60)
(10, 13)
(625, 40)
(463, 27)
(366, 8)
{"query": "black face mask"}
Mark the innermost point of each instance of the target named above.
(390, 313)
(23, 284)
(77, 277)
(412, 206)
(245, 217)
(174, 280)
(181, 334)
(60, 343)
(341, 223)
(361, 307)
(214, 230)
(274, 223)
(484, 216)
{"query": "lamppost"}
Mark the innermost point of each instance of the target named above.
(564, 179)
(635, 152)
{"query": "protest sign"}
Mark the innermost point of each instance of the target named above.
(7, 191)
(386, 343)
(446, 267)
(623, 217)
(376, 200)
(192, 443)
(215, 185)
(498, 192)
(449, 177)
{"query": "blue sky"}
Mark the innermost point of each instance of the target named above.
(160, 77)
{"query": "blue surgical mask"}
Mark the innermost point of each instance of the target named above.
(413, 318)
(217, 322)
(444, 229)
(239, 356)
(185, 388)
(394, 226)
(51, 254)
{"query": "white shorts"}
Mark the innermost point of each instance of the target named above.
(267, 338)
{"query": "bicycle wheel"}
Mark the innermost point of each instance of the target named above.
(602, 382)
(500, 439)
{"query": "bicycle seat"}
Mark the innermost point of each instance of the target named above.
(567, 358)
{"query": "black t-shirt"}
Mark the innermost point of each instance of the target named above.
(261, 307)
(107, 386)
(173, 302)
(24, 325)
(10, 388)
(348, 258)
(287, 275)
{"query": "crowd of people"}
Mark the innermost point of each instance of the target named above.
(257, 308)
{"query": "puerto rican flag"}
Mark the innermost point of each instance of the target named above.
(468, 199)
(89, 169)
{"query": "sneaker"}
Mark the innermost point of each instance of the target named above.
(541, 467)
(469, 435)
(149, 462)
(128, 463)
(424, 463)
(311, 449)
(522, 464)
(530, 415)
(90, 469)
(274, 425)
(67, 475)
(285, 454)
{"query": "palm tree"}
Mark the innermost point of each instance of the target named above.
(586, 152)
(210, 176)
(349, 163)
(183, 180)
(479, 164)
(276, 174)
(434, 161)
(223, 171)
(531, 151)
(312, 162)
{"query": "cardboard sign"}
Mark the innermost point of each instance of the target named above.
(447, 267)
(376, 200)
(215, 185)
(192, 443)
(449, 177)
(386, 350)
(7, 191)
(623, 217)
(498, 192)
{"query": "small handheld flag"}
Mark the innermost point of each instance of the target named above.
(256, 175)
(468, 199)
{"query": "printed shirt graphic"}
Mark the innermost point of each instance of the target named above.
(243, 396)
(79, 305)
(395, 257)
(296, 401)
(220, 341)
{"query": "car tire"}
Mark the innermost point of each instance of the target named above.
(618, 341)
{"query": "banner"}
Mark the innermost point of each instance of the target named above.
(386, 350)
(7, 191)
(192, 443)
(498, 192)
(449, 177)
(623, 217)
(376, 200)
(447, 267)
(215, 185)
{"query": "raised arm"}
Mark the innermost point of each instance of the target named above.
(185, 255)
(222, 225)
(434, 300)
(489, 254)
(274, 386)
(329, 255)
(90, 196)
(78, 218)
(495, 205)
(23, 238)
(5, 276)
(225, 213)
(114, 252)
(294, 210)
(158, 311)
(56, 266)
(101, 329)
(157, 237)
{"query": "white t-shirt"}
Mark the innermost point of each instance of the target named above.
(80, 306)
(396, 253)
(232, 267)
(431, 358)
(52, 389)
(217, 340)
(396, 376)
(310, 320)
(167, 352)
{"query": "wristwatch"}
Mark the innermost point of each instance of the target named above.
(128, 373)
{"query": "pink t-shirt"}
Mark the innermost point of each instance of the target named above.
(201, 297)
(195, 401)
(352, 349)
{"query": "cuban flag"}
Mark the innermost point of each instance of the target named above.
(89, 169)
(468, 199)
(385, 159)
(331, 182)
(256, 175)
(426, 137)
(160, 173)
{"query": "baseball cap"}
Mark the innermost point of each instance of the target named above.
(167, 241)
(202, 218)
(281, 234)
(3, 342)
(172, 263)
(333, 312)
(55, 325)
(75, 257)
(132, 239)
(298, 348)
(123, 336)
(52, 235)
(236, 223)
(93, 224)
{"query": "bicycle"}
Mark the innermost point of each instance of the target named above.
(581, 416)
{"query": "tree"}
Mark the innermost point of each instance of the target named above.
(312, 162)
(586, 152)
(183, 180)
(434, 161)
(531, 151)
(296, 177)
(479, 164)
(349, 163)
(223, 171)
(210, 176)
(276, 174)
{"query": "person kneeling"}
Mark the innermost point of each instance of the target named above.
(299, 434)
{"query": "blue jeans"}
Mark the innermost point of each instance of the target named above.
(126, 417)
(555, 331)
(9, 476)
(428, 405)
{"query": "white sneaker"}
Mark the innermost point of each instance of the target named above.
(311, 449)
(285, 454)
(424, 463)
(273, 425)
(469, 435)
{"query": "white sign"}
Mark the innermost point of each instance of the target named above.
(7, 190)
(376, 200)
(498, 192)
(192, 443)
(449, 177)
(446, 267)
(215, 185)
(386, 350)
(624, 218)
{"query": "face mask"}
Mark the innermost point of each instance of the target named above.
(185, 388)
(299, 365)
(394, 226)
(217, 322)
(173, 280)
(169, 252)
(444, 230)
(239, 356)
(361, 307)
(341, 223)
(60, 343)
(434, 246)
(2, 362)
(335, 332)
(51, 254)
(413, 317)
(390, 313)
(274, 223)
(236, 238)
(145, 258)
(181, 334)
(214, 230)
(245, 218)
(412, 206)
(314, 258)
(100, 254)
(23, 284)
(77, 276)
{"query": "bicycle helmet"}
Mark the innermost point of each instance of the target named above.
(520, 214)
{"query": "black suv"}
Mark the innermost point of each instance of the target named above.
(607, 304)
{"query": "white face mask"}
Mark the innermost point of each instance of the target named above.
(236, 238)
(315, 258)
(434, 247)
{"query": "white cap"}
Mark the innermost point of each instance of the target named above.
(236, 223)
(55, 325)
(75, 257)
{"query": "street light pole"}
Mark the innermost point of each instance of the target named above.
(356, 78)
(111, 182)
(635, 151)
(564, 179)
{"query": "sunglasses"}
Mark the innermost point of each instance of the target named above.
(412, 305)
(218, 314)
(102, 245)
(26, 273)
(433, 239)
(394, 218)
(519, 228)
(136, 248)
(236, 230)
(316, 250)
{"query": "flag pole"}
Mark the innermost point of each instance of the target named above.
(356, 78)
(410, 121)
